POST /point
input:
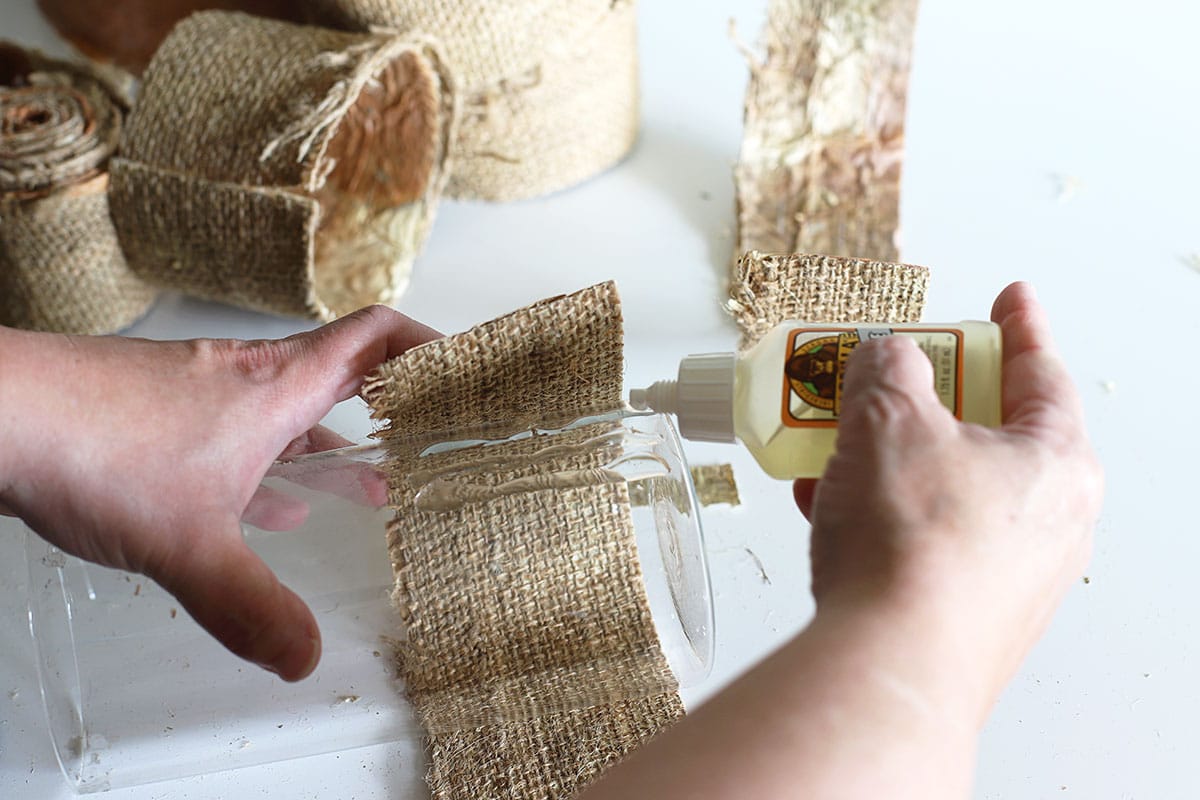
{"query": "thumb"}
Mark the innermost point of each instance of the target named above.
(340, 353)
(889, 396)
(235, 596)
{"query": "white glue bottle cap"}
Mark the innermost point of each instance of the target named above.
(701, 398)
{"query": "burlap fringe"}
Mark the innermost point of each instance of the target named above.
(520, 610)
(283, 168)
(550, 87)
(768, 289)
(819, 170)
(61, 268)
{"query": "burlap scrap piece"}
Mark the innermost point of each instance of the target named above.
(284, 168)
(768, 289)
(550, 87)
(714, 485)
(61, 268)
(529, 650)
(819, 170)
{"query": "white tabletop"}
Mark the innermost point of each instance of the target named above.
(1009, 103)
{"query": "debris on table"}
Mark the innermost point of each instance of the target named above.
(1065, 187)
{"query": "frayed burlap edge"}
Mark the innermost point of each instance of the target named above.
(770, 288)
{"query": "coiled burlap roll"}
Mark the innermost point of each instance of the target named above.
(550, 87)
(280, 167)
(60, 266)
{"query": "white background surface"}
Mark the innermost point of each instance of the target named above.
(1004, 96)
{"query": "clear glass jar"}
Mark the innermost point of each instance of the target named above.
(136, 692)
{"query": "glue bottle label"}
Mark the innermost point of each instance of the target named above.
(815, 362)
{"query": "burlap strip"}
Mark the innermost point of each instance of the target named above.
(550, 87)
(280, 167)
(768, 289)
(61, 268)
(819, 170)
(529, 649)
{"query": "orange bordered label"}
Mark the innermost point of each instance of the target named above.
(815, 364)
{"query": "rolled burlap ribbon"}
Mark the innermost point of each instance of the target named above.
(61, 268)
(280, 167)
(550, 87)
(127, 32)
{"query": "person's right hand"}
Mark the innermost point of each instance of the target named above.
(977, 533)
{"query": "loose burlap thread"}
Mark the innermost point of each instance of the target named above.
(61, 268)
(284, 168)
(819, 169)
(529, 650)
(550, 87)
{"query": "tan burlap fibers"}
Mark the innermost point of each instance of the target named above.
(529, 650)
(550, 87)
(60, 266)
(819, 170)
(281, 167)
(768, 289)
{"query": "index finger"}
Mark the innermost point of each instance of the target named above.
(1038, 396)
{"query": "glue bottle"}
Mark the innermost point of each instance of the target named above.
(782, 397)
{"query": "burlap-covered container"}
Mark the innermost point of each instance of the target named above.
(529, 650)
(819, 169)
(280, 167)
(550, 87)
(770, 288)
(127, 32)
(61, 268)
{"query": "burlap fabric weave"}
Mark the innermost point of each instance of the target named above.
(550, 87)
(280, 167)
(768, 289)
(529, 651)
(819, 170)
(61, 268)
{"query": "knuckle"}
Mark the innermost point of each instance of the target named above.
(258, 361)
(372, 315)
(885, 409)
(882, 407)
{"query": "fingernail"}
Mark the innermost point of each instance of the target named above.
(315, 657)
(298, 663)
(306, 657)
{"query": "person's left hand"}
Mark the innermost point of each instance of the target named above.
(146, 456)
